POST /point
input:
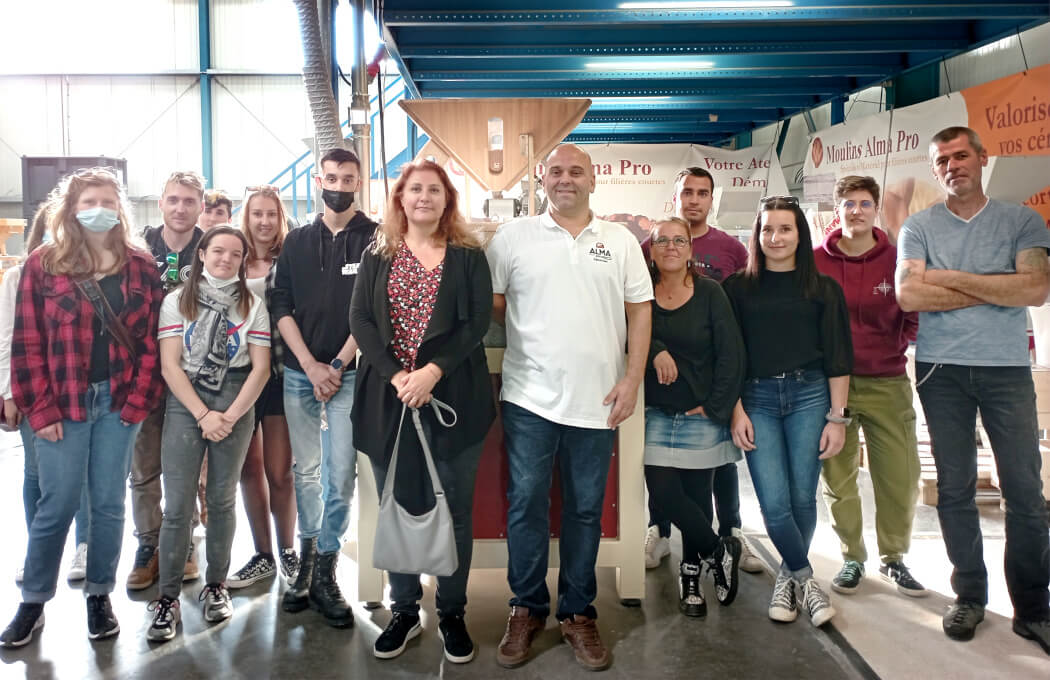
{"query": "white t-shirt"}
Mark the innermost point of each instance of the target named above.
(254, 330)
(566, 322)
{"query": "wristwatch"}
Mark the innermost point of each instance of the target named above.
(841, 416)
(337, 364)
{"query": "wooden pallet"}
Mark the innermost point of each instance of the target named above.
(987, 491)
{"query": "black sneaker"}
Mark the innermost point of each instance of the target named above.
(961, 619)
(28, 619)
(391, 642)
(260, 566)
(690, 594)
(849, 577)
(101, 622)
(724, 567)
(289, 560)
(896, 572)
(1039, 631)
(459, 648)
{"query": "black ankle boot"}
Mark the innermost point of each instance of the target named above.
(297, 597)
(324, 592)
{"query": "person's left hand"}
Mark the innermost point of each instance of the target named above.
(416, 386)
(623, 397)
(698, 411)
(831, 440)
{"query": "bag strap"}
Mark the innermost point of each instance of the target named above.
(93, 292)
(438, 406)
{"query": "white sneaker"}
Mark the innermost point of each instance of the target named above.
(165, 620)
(817, 602)
(656, 547)
(783, 606)
(749, 561)
(217, 603)
(78, 568)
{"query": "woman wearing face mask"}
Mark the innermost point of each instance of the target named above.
(85, 374)
(692, 382)
(267, 486)
(792, 413)
(215, 355)
(419, 312)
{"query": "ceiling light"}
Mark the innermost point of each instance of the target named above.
(648, 65)
(708, 4)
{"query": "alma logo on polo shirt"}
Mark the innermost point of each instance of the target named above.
(600, 253)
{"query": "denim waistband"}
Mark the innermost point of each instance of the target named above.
(797, 374)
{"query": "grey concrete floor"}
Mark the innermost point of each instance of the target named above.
(261, 641)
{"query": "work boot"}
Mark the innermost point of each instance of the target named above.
(297, 597)
(324, 592)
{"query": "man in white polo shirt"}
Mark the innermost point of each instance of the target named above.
(573, 291)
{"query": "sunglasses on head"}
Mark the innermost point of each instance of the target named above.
(787, 200)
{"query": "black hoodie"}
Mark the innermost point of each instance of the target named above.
(314, 282)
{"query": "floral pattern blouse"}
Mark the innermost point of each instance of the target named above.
(412, 291)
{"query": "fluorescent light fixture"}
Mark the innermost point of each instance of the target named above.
(709, 4)
(626, 100)
(648, 65)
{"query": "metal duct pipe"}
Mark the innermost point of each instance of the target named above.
(316, 77)
(359, 107)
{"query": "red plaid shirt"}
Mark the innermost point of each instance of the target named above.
(51, 346)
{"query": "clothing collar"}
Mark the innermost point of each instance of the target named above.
(594, 225)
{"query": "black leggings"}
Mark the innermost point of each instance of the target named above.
(684, 497)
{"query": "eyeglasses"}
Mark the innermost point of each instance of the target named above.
(787, 200)
(664, 242)
(864, 205)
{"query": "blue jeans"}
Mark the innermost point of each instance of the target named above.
(951, 396)
(788, 417)
(583, 460)
(325, 460)
(31, 486)
(97, 451)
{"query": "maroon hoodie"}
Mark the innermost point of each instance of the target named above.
(880, 329)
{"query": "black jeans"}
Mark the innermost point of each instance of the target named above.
(457, 476)
(684, 497)
(951, 396)
(727, 503)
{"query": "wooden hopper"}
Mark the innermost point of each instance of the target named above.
(461, 128)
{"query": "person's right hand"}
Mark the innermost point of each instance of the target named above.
(52, 432)
(12, 416)
(743, 431)
(214, 427)
(666, 368)
(324, 378)
(398, 381)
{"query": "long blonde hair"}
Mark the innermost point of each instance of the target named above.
(69, 253)
(452, 228)
(282, 222)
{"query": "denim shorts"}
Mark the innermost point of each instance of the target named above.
(691, 442)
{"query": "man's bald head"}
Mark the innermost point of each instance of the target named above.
(569, 180)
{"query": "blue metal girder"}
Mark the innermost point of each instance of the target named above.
(728, 100)
(761, 87)
(672, 126)
(602, 63)
(204, 55)
(827, 11)
(772, 72)
(630, 115)
(412, 92)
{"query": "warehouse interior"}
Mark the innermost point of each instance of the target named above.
(217, 86)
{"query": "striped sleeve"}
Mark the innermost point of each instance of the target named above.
(171, 323)
(259, 325)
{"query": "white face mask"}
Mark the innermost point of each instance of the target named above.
(215, 281)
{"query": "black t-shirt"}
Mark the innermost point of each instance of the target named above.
(99, 367)
(155, 240)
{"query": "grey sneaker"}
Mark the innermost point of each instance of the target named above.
(961, 619)
(166, 619)
(816, 602)
(783, 606)
(217, 603)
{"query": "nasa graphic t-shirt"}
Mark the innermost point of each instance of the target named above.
(254, 330)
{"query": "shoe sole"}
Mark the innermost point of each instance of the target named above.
(295, 605)
(74, 577)
(394, 653)
(734, 575)
(693, 611)
(37, 625)
(192, 576)
(341, 622)
(1021, 630)
(155, 637)
(783, 615)
(140, 585)
(104, 634)
(235, 584)
(751, 568)
(457, 659)
(583, 664)
(211, 618)
(910, 592)
(823, 616)
(844, 590)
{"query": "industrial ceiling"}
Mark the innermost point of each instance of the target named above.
(675, 71)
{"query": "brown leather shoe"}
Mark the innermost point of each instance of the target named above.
(582, 633)
(144, 573)
(190, 572)
(522, 627)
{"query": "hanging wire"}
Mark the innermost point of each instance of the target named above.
(947, 78)
(382, 134)
(1021, 45)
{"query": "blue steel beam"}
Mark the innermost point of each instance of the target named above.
(676, 126)
(593, 5)
(412, 92)
(757, 87)
(535, 74)
(729, 63)
(204, 52)
(697, 117)
(642, 138)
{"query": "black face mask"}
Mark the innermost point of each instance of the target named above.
(337, 201)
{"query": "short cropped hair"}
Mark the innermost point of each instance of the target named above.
(950, 133)
(695, 171)
(215, 198)
(856, 183)
(339, 156)
(187, 178)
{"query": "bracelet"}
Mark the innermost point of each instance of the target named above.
(838, 420)
(203, 416)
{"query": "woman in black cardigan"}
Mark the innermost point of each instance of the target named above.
(421, 305)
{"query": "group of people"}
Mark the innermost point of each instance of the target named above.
(778, 353)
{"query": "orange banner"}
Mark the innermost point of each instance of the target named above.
(1040, 202)
(1012, 114)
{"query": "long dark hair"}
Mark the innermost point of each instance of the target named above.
(188, 301)
(805, 264)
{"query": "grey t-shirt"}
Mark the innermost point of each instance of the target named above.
(984, 335)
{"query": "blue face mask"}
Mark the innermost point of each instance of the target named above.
(98, 219)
